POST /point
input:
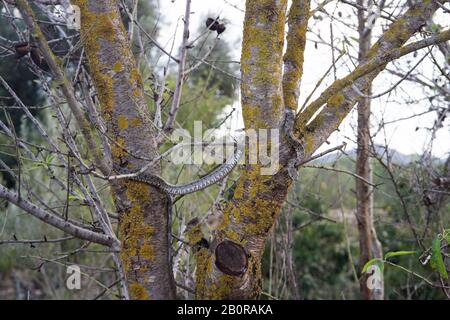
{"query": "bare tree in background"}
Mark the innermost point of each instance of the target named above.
(369, 244)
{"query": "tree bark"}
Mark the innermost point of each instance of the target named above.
(230, 267)
(256, 204)
(369, 245)
(143, 210)
(257, 201)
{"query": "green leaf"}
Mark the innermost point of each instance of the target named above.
(437, 257)
(432, 263)
(49, 159)
(370, 263)
(398, 253)
(446, 235)
(37, 166)
(73, 198)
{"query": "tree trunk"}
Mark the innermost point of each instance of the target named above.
(249, 217)
(369, 245)
(143, 210)
(257, 200)
(230, 267)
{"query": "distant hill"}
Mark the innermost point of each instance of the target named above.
(395, 156)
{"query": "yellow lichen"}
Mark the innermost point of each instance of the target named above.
(204, 263)
(103, 26)
(117, 67)
(138, 292)
(118, 148)
(136, 122)
(294, 56)
(135, 77)
(194, 234)
(137, 92)
(336, 100)
(99, 32)
(122, 122)
(261, 61)
(147, 251)
(135, 232)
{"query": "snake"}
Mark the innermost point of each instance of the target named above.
(288, 128)
(178, 190)
(172, 190)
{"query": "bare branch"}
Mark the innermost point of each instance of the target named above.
(181, 66)
(54, 220)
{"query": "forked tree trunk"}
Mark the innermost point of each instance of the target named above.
(231, 266)
(257, 200)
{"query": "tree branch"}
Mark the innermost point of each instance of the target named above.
(181, 74)
(54, 220)
(293, 58)
(64, 83)
(365, 69)
(315, 131)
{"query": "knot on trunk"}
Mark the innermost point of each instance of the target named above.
(231, 258)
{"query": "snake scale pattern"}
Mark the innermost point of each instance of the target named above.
(177, 190)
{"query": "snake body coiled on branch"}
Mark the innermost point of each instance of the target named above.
(211, 178)
(288, 127)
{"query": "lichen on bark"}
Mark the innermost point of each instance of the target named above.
(142, 209)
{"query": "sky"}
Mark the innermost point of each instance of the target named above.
(409, 136)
